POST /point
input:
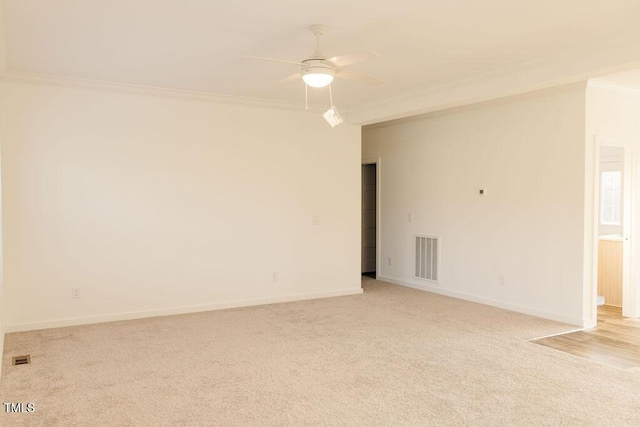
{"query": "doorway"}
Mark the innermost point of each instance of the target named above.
(369, 219)
(610, 226)
(615, 291)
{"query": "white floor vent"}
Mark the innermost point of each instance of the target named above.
(427, 261)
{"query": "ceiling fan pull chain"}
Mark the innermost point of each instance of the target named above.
(330, 96)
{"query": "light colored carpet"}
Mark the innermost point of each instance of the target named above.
(392, 356)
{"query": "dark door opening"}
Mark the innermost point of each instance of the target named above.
(369, 202)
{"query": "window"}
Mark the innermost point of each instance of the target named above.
(610, 194)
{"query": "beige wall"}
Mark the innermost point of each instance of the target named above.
(154, 206)
(527, 152)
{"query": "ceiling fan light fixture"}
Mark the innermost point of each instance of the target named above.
(317, 76)
(317, 80)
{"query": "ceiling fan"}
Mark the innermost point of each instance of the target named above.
(319, 71)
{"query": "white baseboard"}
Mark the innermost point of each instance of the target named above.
(177, 310)
(487, 301)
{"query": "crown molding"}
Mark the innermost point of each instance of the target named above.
(613, 87)
(614, 53)
(105, 86)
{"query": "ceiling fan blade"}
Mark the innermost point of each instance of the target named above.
(352, 75)
(272, 60)
(291, 78)
(352, 58)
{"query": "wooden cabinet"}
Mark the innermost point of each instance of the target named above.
(610, 271)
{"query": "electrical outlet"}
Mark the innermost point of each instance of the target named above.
(315, 220)
(75, 293)
(275, 276)
(502, 281)
(410, 217)
(389, 261)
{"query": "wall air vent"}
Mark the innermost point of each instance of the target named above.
(21, 360)
(427, 257)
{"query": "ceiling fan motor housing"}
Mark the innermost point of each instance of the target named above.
(317, 66)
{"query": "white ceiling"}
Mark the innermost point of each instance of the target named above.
(197, 45)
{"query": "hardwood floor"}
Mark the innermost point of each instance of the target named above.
(614, 342)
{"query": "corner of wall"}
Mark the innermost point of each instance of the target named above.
(589, 255)
(1, 221)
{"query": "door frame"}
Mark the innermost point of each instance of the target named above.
(630, 293)
(378, 162)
